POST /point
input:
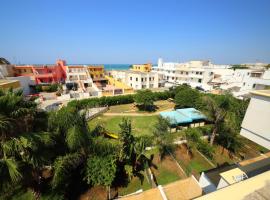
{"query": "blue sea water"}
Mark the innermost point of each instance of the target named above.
(116, 66)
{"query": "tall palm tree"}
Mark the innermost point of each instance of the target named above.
(21, 149)
(216, 111)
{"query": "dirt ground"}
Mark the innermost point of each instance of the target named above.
(97, 193)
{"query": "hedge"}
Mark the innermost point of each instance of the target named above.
(113, 100)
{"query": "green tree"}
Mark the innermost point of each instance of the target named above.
(101, 171)
(187, 97)
(193, 136)
(163, 138)
(216, 110)
(145, 99)
(23, 144)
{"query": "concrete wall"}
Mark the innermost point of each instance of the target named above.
(25, 81)
(222, 183)
(206, 184)
(256, 123)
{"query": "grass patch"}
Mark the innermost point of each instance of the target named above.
(141, 125)
(165, 176)
(194, 164)
(134, 185)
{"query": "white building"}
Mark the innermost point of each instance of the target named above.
(242, 81)
(79, 78)
(256, 123)
(194, 73)
(136, 79)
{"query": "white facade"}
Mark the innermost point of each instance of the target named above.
(137, 80)
(25, 82)
(194, 73)
(246, 80)
(142, 80)
(256, 123)
(79, 75)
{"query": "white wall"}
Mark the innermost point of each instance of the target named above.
(222, 183)
(206, 184)
(25, 81)
(256, 123)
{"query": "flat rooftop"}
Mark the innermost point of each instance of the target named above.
(183, 189)
(5, 81)
(265, 93)
(179, 190)
(214, 174)
(232, 175)
(258, 186)
(182, 116)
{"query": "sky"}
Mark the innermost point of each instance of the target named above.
(134, 31)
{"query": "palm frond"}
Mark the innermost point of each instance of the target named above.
(63, 168)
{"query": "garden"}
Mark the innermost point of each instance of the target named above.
(61, 155)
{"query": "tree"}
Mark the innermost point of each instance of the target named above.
(101, 170)
(23, 143)
(186, 97)
(192, 136)
(216, 111)
(163, 138)
(145, 99)
(127, 141)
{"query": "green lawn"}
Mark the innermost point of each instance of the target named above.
(199, 164)
(195, 164)
(134, 185)
(141, 125)
(131, 108)
(165, 175)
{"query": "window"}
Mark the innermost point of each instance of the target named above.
(186, 73)
(197, 72)
(130, 78)
(142, 79)
(244, 84)
(254, 85)
(200, 80)
(200, 73)
(136, 79)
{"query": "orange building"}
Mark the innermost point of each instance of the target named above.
(43, 73)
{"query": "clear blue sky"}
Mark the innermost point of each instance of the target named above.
(134, 31)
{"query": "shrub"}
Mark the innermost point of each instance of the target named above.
(205, 148)
(114, 100)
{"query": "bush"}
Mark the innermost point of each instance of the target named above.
(114, 100)
(47, 88)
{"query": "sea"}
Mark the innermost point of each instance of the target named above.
(116, 66)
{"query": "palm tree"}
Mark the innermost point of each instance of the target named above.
(216, 111)
(163, 138)
(22, 150)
